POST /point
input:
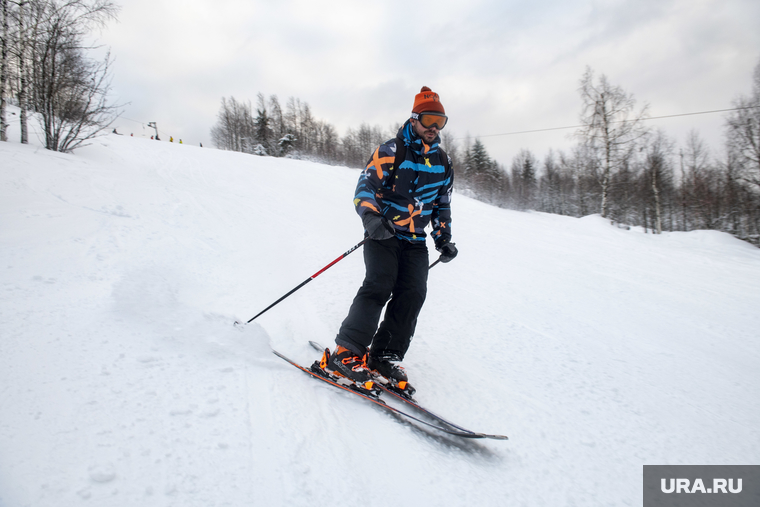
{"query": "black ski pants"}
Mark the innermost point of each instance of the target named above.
(395, 269)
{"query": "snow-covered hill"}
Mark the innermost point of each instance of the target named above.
(124, 383)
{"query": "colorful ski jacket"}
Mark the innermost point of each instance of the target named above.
(412, 195)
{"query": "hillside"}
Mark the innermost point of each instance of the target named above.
(124, 383)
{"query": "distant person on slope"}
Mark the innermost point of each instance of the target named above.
(405, 186)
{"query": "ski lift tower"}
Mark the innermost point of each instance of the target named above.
(153, 124)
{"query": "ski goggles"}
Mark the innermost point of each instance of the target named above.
(429, 120)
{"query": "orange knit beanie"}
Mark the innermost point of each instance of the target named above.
(427, 101)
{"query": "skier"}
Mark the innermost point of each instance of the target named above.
(405, 186)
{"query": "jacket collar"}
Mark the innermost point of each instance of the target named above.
(415, 142)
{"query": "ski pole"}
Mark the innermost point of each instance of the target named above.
(312, 277)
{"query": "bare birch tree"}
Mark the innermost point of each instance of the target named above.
(5, 12)
(743, 132)
(659, 172)
(23, 67)
(70, 89)
(14, 62)
(234, 129)
(610, 126)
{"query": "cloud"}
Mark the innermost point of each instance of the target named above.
(498, 66)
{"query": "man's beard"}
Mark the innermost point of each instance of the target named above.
(432, 135)
(424, 133)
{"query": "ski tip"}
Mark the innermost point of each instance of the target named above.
(316, 345)
(482, 435)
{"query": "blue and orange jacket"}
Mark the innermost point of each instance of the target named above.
(412, 195)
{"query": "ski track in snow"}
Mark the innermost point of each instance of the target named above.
(123, 382)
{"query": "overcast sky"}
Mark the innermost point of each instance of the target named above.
(499, 66)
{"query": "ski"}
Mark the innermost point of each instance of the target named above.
(400, 395)
(427, 412)
(373, 398)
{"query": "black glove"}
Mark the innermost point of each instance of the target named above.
(377, 227)
(448, 250)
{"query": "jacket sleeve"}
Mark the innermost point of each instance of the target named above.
(441, 217)
(374, 175)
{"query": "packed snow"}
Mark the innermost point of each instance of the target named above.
(123, 381)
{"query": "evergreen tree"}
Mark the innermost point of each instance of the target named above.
(262, 128)
(486, 177)
(524, 180)
(479, 158)
(277, 124)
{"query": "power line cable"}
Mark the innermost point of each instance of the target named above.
(619, 121)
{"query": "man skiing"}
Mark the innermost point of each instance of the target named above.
(405, 186)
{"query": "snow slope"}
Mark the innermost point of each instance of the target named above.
(124, 383)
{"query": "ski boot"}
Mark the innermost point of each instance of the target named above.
(347, 368)
(384, 369)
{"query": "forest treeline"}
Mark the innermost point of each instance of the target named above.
(632, 174)
(620, 167)
(293, 131)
